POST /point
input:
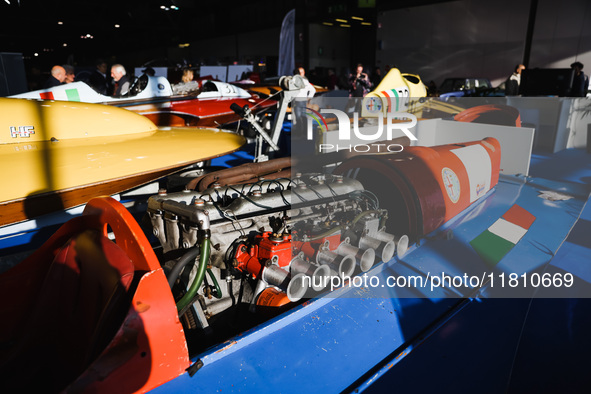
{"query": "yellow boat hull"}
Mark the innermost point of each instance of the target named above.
(66, 153)
(395, 93)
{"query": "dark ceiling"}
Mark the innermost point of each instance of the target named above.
(57, 31)
(88, 29)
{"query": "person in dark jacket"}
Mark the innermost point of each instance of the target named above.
(57, 77)
(359, 83)
(99, 80)
(120, 80)
(580, 81)
(376, 77)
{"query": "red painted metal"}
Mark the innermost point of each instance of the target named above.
(270, 246)
(248, 260)
(273, 298)
(265, 247)
(193, 111)
(138, 358)
(418, 196)
(311, 248)
(498, 114)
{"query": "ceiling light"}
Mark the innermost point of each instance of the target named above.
(60, 23)
(341, 20)
(366, 23)
(345, 25)
(117, 26)
(357, 18)
(328, 23)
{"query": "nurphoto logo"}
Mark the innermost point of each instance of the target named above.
(351, 131)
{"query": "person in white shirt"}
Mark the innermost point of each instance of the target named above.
(309, 90)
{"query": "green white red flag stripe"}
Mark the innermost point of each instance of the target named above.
(46, 95)
(389, 94)
(66, 95)
(496, 241)
(72, 95)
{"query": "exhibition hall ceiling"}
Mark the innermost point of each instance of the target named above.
(112, 26)
(92, 28)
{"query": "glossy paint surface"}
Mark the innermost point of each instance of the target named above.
(92, 144)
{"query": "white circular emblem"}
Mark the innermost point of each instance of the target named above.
(451, 184)
(373, 104)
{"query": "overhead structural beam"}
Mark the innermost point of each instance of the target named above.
(533, 7)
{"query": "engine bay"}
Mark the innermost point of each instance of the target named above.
(237, 254)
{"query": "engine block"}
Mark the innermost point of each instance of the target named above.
(273, 242)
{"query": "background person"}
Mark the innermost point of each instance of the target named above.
(359, 83)
(376, 77)
(120, 80)
(580, 81)
(187, 75)
(333, 80)
(70, 75)
(309, 90)
(98, 80)
(57, 77)
(512, 83)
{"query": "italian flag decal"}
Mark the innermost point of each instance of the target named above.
(495, 242)
(392, 93)
(72, 95)
(397, 94)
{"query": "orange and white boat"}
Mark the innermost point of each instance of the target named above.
(198, 103)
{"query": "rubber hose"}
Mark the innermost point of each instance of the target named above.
(188, 257)
(364, 213)
(203, 260)
(325, 233)
(218, 290)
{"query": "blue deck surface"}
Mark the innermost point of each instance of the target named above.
(555, 342)
(572, 165)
